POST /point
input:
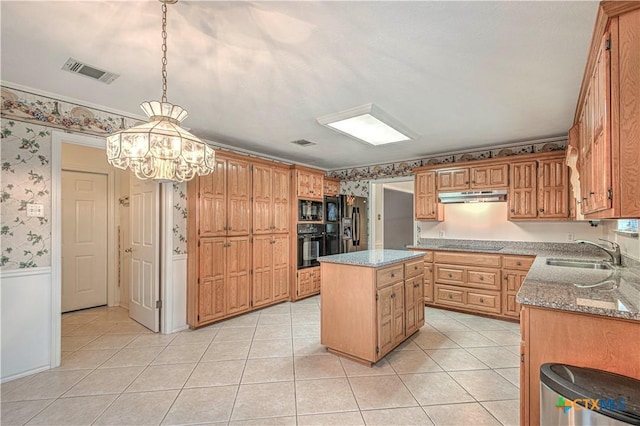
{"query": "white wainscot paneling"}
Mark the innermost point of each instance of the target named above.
(179, 301)
(26, 322)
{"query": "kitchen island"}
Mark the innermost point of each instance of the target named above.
(371, 301)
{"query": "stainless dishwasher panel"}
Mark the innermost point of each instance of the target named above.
(618, 396)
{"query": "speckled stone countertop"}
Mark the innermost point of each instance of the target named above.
(612, 293)
(371, 258)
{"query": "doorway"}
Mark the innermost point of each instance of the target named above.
(85, 221)
(392, 213)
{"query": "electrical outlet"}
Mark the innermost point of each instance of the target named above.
(441, 234)
(570, 236)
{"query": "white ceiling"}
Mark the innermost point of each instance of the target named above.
(256, 75)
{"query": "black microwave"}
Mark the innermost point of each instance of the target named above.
(310, 211)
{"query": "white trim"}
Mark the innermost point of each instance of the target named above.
(25, 373)
(25, 272)
(180, 257)
(372, 213)
(166, 257)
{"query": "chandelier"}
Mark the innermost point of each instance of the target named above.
(161, 149)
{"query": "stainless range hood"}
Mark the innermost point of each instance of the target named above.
(473, 196)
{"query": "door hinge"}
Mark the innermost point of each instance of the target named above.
(610, 194)
(377, 297)
(607, 44)
(251, 239)
(198, 232)
(251, 301)
(251, 271)
(198, 243)
(198, 318)
(377, 349)
(158, 304)
(198, 280)
(198, 195)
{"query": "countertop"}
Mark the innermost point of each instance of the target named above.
(613, 293)
(371, 258)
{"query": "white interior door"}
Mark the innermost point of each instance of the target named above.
(145, 283)
(84, 240)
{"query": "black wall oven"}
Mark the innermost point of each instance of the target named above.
(310, 244)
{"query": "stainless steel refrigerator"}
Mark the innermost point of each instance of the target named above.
(354, 213)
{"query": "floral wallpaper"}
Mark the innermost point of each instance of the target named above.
(26, 179)
(358, 177)
(180, 218)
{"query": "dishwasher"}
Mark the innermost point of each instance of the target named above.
(572, 395)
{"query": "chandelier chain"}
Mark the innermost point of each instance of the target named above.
(164, 51)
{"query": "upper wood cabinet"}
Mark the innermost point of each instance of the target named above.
(607, 117)
(426, 204)
(309, 183)
(452, 179)
(490, 176)
(486, 176)
(539, 189)
(271, 207)
(331, 186)
(224, 198)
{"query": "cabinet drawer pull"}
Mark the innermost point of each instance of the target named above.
(393, 275)
(481, 300)
(393, 295)
(415, 268)
(513, 211)
(450, 276)
(519, 263)
(481, 278)
(450, 297)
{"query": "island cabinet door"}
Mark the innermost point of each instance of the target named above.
(391, 317)
(411, 314)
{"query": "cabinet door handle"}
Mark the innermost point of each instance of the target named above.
(433, 212)
(513, 211)
(129, 250)
(415, 268)
(393, 295)
(393, 275)
(541, 210)
(592, 193)
(506, 278)
(229, 229)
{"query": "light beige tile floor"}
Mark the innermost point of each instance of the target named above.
(269, 368)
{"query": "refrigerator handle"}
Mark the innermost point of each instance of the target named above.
(356, 226)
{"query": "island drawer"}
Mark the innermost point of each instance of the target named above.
(484, 278)
(484, 301)
(450, 274)
(413, 269)
(471, 259)
(517, 262)
(389, 275)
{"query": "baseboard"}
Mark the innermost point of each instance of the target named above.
(25, 374)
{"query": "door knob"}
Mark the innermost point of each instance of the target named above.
(129, 250)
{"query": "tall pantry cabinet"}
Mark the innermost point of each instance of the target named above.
(238, 238)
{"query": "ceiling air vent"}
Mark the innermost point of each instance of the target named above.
(77, 67)
(303, 142)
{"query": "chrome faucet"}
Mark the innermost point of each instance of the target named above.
(614, 252)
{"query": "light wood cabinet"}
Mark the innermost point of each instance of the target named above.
(427, 280)
(331, 186)
(572, 338)
(270, 199)
(539, 189)
(426, 204)
(522, 191)
(224, 198)
(309, 183)
(489, 176)
(367, 312)
(479, 282)
(452, 179)
(270, 269)
(607, 116)
(223, 282)
(308, 281)
(238, 238)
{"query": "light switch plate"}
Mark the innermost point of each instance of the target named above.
(35, 210)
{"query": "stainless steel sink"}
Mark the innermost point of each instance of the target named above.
(575, 263)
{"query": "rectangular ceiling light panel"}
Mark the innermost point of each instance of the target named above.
(368, 124)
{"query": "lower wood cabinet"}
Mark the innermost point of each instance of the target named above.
(308, 282)
(270, 269)
(427, 281)
(367, 311)
(224, 277)
(462, 284)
